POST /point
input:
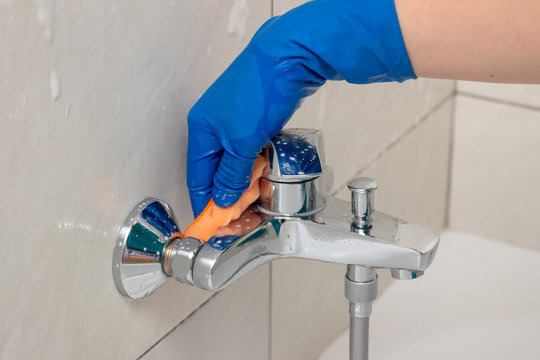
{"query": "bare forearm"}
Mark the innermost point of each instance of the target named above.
(483, 40)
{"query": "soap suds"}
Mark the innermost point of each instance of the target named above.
(45, 17)
(238, 19)
(55, 85)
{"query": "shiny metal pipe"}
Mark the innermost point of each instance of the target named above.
(360, 290)
(359, 338)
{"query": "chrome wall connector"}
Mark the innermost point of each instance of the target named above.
(147, 250)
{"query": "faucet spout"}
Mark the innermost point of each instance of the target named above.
(390, 243)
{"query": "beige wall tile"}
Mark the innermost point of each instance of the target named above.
(516, 93)
(73, 164)
(308, 306)
(496, 165)
(361, 121)
(234, 324)
(413, 176)
(282, 6)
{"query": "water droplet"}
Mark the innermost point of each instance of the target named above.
(218, 242)
(144, 249)
(157, 252)
(282, 154)
(67, 110)
(54, 85)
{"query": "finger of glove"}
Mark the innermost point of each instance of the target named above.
(204, 154)
(232, 178)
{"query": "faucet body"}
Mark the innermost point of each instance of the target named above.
(298, 221)
(390, 243)
(295, 219)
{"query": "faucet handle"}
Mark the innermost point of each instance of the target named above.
(362, 200)
(296, 155)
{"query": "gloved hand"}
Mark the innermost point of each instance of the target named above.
(289, 58)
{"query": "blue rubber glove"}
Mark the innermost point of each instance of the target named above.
(289, 58)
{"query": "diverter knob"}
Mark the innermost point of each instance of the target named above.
(362, 199)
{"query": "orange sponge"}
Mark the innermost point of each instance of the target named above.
(214, 217)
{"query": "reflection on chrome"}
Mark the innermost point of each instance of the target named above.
(291, 219)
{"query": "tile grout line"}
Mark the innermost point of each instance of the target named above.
(450, 158)
(497, 101)
(177, 325)
(398, 139)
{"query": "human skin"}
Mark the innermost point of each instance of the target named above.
(480, 40)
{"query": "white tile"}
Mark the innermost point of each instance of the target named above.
(517, 93)
(73, 167)
(360, 121)
(496, 165)
(308, 305)
(234, 324)
(413, 175)
(282, 6)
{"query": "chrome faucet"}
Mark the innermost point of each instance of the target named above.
(295, 220)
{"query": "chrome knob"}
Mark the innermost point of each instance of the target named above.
(291, 185)
(296, 155)
(362, 200)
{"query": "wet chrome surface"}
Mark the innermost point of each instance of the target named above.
(390, 243)
(139, 248)
(293, 219)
